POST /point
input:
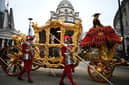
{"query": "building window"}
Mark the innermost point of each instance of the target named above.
(126, 22)
(1, 20)
(0, 42)
(66, 11)
(124, 11)
(59, 12)
(70, 19)
(66, 18)
(71, 12)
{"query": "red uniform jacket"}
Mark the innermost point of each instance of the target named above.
(63, 51)
(27, 49)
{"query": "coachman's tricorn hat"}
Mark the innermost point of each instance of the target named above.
(96, 14)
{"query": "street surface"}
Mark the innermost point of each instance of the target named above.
(43, 76)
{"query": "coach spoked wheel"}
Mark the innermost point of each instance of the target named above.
(4, 63)
(96, 71)
(13, 68)
(13, 61)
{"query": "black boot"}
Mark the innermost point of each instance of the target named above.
(30, 81)
(61, 83)
(19, 78)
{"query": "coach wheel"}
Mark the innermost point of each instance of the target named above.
(14, 67)
(13, 61)
(97, 71)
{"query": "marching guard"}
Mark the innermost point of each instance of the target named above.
(27, 50)
(68, 61)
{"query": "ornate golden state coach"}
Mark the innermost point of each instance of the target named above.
(50, 38)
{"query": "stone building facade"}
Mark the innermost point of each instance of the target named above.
(65, 12)
(7, 28)
(125, 20)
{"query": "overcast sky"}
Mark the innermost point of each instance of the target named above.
(39, 10)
